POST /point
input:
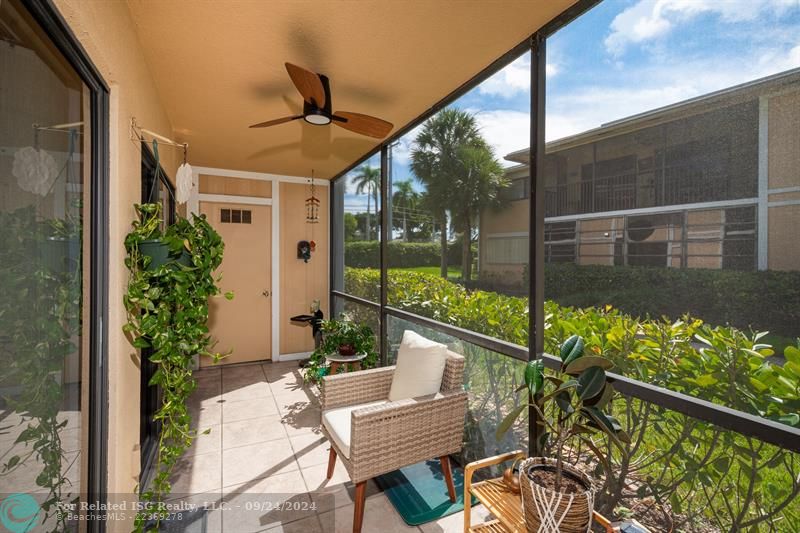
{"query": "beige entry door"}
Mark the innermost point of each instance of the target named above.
(244, 324)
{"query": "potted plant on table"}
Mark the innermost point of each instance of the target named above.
(569, 404)
(344, 337)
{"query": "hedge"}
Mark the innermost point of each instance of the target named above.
(366, 254)
(763, 301)
(506, 317)
(700, 474)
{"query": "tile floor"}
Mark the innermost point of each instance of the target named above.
(265, 448)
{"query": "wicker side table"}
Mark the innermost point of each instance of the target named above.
(503, 504)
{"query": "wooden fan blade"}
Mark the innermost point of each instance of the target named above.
(363, 124)
(276, 121)
(308, 84)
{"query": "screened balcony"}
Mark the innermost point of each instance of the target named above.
(626, 173)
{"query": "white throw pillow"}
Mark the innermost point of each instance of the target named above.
(419, 369)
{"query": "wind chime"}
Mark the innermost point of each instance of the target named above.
(312, 217)
(312, 204)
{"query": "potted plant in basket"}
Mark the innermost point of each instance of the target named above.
(570, 407)
(345, 337)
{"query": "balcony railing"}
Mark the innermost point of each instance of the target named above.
(673, 185)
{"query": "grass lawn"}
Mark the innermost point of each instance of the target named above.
(452, 272)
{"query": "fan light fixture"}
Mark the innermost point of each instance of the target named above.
(316, 92)
(318, 119)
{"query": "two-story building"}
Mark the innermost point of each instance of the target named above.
(710, 182)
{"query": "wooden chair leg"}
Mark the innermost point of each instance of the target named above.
(358, 509)
(331, 462)
(448, 477)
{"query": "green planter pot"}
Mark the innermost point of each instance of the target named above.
(60, 255)
(160, 254)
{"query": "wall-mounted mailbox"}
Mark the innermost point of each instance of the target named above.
(304, 251)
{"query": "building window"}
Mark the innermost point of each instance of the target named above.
(739, 244)
(651, 239)
(507, 250)
(559, 242)
(518, 190)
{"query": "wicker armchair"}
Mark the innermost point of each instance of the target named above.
(386, 436)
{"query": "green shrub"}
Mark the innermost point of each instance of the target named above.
(702, 475)
(366, 254)
(506, 317)
(757, 300)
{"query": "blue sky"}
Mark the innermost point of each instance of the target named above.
(626, 57)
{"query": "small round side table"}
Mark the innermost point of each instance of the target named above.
(335, 360)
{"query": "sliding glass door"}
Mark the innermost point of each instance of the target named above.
(49, 275)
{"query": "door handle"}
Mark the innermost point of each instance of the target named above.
(265, 293)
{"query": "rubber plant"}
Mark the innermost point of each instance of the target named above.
(167, 310)
(570, 405)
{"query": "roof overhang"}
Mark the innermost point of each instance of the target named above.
(219, 67)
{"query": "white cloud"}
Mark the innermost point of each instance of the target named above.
(505, 130)
(650, 19)
(515, 78)
(634, 91)
(401, 151)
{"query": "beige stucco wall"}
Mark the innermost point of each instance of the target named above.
(512, 218)
(106, 31)
(784, 140)
(784, 223)
(301, 282)
(597, 241)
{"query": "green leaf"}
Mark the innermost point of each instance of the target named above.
(229, 295)
(791, 419)
(579, 365)
(14, 461)
(563, 402)
(792, 354)
(534, 376)
(508, 421)
(603, 399)
(571, 349)
(706, 380)
(675, 502)
(591, 382)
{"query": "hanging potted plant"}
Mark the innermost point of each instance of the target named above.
(156, 248)
(60, 249)
(167, 309)
(569, 404)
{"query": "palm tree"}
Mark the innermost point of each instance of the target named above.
(451, 156)
(476, 188)
(368, 180)
(405, 197)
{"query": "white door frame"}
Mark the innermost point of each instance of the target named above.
(193, 206)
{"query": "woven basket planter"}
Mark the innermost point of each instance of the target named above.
(548, 511)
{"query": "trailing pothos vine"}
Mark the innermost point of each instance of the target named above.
(167, 308)
(40, 309)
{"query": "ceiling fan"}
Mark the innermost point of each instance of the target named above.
(316, 92)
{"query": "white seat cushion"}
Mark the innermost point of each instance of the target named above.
(419, 369)
(338, 422)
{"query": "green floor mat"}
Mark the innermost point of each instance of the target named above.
(419, 492)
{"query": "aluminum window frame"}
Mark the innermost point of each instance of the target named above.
(46, 14)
